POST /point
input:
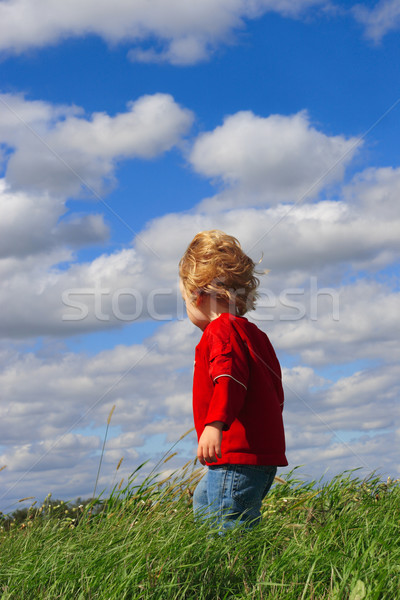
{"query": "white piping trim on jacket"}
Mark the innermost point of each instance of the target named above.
(226, 375)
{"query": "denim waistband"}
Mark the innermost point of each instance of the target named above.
(236, 465)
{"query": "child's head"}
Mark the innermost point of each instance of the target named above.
(215, 264)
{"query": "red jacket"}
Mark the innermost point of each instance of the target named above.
(237, 380)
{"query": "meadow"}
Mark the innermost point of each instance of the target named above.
(336, 541)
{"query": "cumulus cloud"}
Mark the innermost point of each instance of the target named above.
(57, 408)
(375, 391)
(183, 51)
(323, 238)
(30, 224)
(185, 32)
(54, 152)
(49, 454)
(52, 395)
(63, 398)
(336, 325)
(375, 189)
(379, 20)
(349, 424)
(267, 160)
(298, 241)
(55, 404)
(365, 455)
(59, 150)
(322, 241)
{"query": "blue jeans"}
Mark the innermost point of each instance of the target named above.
(229, 495)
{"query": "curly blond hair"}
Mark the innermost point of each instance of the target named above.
(214, 263)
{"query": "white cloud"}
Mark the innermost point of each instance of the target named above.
(49, 454)
(18, 114)
(333, 418)
(45, 397)
(186, 32)
(29, 224)
(379, 20)
(375, 189)
(58, 150)
(55, 151)
(54, 411)
(348, 424)
(323, 238)
(321, 241)
(52, 408)
(341, 325)
(270, 160)
(183, 51)
(360, 231)
(365, 454)
(373, 391)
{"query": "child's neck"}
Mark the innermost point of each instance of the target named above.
(212, 308)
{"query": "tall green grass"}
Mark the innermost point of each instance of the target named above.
(336, 541)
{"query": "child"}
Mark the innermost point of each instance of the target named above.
(237, 388)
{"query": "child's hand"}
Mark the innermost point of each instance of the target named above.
(209, 447)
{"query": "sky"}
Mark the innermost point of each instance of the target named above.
(126, 128)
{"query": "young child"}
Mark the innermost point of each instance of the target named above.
(237, 387)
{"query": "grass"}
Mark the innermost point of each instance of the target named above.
(338, 541)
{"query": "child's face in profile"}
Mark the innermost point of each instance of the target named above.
(194, 309)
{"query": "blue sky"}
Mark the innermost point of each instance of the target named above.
(124, 133)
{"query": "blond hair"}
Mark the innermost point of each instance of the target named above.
(215, 264)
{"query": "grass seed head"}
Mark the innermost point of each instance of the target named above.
(111, 414)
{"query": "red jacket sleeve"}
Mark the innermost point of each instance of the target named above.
(229, 371)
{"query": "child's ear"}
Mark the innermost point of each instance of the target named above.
(199, 298)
